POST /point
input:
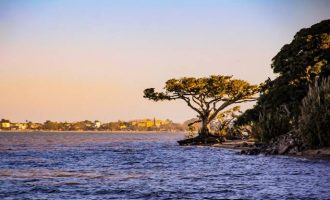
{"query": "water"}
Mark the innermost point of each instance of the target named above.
(148, 166)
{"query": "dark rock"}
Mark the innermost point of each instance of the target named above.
(260, 145)
(254, 151)
(283, 149)
(282, 145)
(294, 150)
(244, 144)
(274, 152)
(201, 140)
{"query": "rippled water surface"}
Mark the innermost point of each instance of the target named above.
(148, 166)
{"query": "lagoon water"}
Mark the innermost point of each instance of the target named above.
(148, 166)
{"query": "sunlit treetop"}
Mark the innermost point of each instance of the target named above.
(213, 88)
(308, 55)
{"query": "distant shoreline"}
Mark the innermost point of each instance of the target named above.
(92, 131)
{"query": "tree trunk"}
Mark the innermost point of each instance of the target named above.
(204, 137)
(204, 132)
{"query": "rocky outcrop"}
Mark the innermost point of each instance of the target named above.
(284, 144)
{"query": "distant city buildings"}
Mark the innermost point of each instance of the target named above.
(5, 124)
(97, 124)
(147, 123)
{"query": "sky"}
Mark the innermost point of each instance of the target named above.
(83, 59)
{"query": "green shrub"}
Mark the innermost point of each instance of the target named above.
(314, 119)
(271, 124)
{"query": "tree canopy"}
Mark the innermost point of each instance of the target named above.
(207, 96)
(298, 64)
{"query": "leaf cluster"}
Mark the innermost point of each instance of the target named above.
(216, 88)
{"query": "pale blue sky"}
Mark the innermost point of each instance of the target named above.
(74, 60)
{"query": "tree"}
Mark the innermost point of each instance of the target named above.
(298, 64)
(207, 96)
(49, 125)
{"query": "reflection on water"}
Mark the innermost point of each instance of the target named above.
(147, 166)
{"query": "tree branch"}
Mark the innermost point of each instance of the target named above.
(187, 100)
(246, 100)
(200, 104)
(223, 106)
(192, 123)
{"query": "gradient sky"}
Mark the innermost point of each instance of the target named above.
(75, 60)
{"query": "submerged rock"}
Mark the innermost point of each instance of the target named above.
(245, 144)
(252, 151)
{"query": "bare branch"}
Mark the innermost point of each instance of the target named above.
(200, 104)
(187, 100)
(246, 100)
(192, 123)
(223, 106)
